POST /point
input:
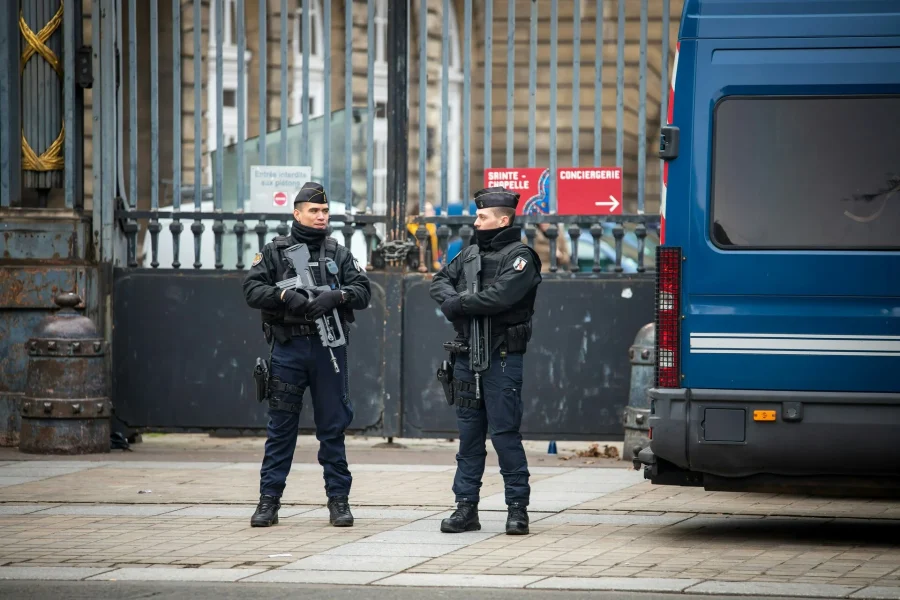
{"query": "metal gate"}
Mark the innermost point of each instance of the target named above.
(402, 110)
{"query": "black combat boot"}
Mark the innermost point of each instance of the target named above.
(266, 513)
(516, 520)
(339, 512)
(464, 518)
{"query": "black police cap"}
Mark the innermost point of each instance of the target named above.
(496, 197)
(311, 192)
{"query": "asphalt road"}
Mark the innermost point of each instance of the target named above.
(101, 590)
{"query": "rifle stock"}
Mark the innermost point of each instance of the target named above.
(329, 327)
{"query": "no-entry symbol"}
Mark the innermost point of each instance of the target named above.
(589, 191)
(280, 198)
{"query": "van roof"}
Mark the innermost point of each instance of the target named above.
(729, 19)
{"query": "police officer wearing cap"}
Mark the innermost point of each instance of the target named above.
(298, 358)
(509, 279)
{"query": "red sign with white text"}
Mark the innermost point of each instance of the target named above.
(532, 185)
(589, 191)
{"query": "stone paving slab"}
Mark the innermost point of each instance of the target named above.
(175, 574)
(10, 481)
(48, 573)
(390, 564)
(37, 473)
(412, 486)
(645, 496)
(632, 519)
(482, 581)
(428, 537)
(324, 577)
(58, 464)
(875, 592)
(761, 588)
(241, 512)
(175, 466)
(23, 509)
(631, 584)
(113, 510)
(393, 549)
(374, 513)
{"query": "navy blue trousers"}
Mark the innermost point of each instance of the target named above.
(500, 416)
(304, 362)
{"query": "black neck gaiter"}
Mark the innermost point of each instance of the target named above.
(310, 236)
(484, 238)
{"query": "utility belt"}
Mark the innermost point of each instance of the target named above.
(515, 340)
(283, 332)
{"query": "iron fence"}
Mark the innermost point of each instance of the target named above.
(366, 174)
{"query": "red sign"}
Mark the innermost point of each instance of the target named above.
(589, 191)
(280, 198)
(532, 185)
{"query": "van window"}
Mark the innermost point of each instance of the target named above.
(806, 173)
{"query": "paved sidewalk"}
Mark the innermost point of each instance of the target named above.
(119, 518)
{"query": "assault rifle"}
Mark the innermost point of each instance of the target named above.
(480, 330)
(329, 325)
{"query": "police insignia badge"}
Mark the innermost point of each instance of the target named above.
(357, 265)
(519, 264)
(257, 259)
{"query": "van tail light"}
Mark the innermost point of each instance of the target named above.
(668, 320)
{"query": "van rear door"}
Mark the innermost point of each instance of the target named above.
(792, 266)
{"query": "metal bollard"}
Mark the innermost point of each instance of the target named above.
(637, 413)
(65, 408)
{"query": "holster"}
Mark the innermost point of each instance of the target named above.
(517, 338)
(261, 376)
(445, 376)
(445, 372)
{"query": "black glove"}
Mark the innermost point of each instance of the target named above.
(461, 325)
(452, 308)
(295, 303)
(323, 303)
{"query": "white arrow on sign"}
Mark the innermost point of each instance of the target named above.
(613, 204)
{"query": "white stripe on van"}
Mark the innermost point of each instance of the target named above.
(797, 352)
(796, 336)
(780, 343)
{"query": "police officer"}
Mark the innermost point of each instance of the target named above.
(298, 358)
(509, 279)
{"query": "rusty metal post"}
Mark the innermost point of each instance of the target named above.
(66, 406)
(637, 414)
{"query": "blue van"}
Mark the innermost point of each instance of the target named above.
(778, 292)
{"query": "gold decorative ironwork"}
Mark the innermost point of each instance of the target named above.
(52, 158)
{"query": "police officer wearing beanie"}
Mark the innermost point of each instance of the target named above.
(509, 279)
(298, 358)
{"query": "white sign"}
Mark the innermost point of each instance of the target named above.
(276, 187)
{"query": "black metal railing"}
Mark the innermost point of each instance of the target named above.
(640, 231)
(240, 225)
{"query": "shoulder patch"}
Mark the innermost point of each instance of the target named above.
(257, 259)
(519, 264)
(358, 266)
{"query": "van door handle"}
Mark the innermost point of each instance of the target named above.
(668, 142)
